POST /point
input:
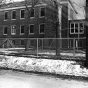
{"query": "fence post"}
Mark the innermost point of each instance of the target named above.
(37, 47)
(74, 47)
(42, 43)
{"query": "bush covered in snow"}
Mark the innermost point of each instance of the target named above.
(44, 65)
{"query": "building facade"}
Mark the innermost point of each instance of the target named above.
(16, 23)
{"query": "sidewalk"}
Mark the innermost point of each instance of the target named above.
(47, 66)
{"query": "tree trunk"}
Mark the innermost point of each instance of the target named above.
(57, 39)
(86, 62)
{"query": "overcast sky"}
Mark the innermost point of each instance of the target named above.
(78, 6)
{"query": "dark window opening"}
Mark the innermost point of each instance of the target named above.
(14, 15)
(72, 30)
(5, 30)
(22, 29)
(22, 13)
(6, 15)
(42, 28)
(31, 28)
(72, 25)
(32, 13)
(81, 27)
(42, 12)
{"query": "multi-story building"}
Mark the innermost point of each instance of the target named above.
(15, 21)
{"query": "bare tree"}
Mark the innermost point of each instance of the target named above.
(33, 3)
(86, 8)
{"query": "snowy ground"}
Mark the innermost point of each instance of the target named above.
(46, 52)
(63, 67)
(10, 79)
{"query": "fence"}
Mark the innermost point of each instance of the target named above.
(45, 46)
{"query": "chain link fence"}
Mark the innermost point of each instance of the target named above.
(44, 47)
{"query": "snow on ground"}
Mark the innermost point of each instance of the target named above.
(20, 50)
(43, 65)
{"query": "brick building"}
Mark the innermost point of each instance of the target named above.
(15, 23)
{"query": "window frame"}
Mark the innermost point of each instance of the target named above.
(34, 14)
(4, 29)
(20, 14)
(40, 12)
(83, 28)
(78, 28)
(20, 30)
(29, 29)
(4, 15)
(39, 28)
(11, 30)
(12, 15)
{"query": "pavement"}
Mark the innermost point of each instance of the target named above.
(15, 79)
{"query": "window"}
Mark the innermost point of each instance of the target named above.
(6, 16)
(76, 28)
(5, 30)
(22, 14)
(81, 27)
(72, 28)
(31, 29)
(41, 31)
(32, 13)
(22, 42)
(22, 30)
(13, 14)
(42, 12)
(13, 29)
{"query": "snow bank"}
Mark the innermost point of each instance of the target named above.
(44, 65)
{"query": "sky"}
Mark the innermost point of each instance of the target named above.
(78, 4)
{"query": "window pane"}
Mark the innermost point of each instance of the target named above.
(42, 28)
(31, 28)
(42, 11)
(72, 25)
(72, 30)
(6, 15)
(14, 15)
(22, 29)
(5, 30)
(81, 27)
(76, 30)
(22, 13)
(32, 13)
(13, 29)
(76, 25)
